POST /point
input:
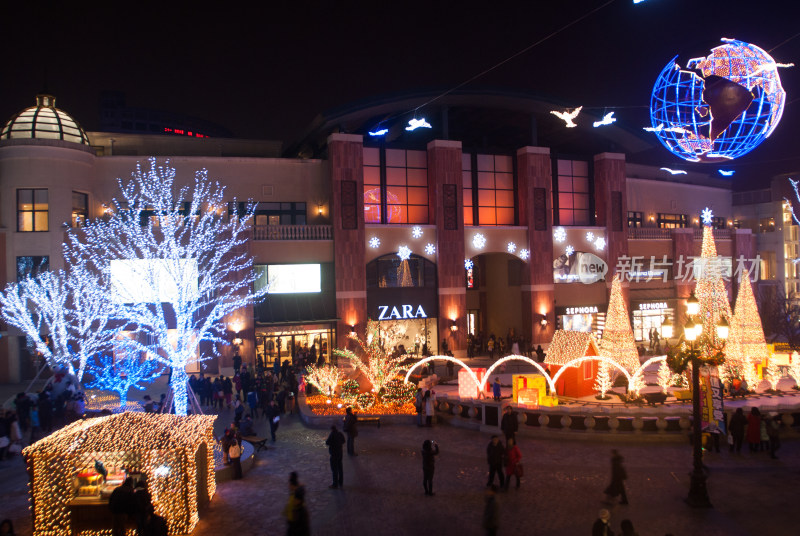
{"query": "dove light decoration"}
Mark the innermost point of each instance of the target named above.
(568, 116)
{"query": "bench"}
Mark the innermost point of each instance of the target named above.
(259, 443)
(375, 420)
(655, 398)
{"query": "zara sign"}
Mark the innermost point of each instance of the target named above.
(400, 312)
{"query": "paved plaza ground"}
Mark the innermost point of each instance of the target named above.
(560, 494)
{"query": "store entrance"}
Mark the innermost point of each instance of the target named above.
(313, 343)
(494, 298)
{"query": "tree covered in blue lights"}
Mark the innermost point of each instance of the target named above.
(120, 376)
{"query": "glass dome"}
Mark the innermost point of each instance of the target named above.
(44, 121)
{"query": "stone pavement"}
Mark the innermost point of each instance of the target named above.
(560, 494)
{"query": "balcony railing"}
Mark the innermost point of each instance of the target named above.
(292, 232)
(657, 233)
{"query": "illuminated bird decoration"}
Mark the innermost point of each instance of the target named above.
(380, 132)
(568, 117)
(674, 171)
(607, 120)
(662, 128)
(414, 124)
(726, 172)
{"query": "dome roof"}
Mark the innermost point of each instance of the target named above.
(44, 121)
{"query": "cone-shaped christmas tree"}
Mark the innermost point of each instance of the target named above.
(746, 344)
(618, 342)
(711, 293)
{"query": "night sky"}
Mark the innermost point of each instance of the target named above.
(266, 70)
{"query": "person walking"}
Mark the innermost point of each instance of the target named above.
(289, 509)
(736, 428)
(601, 526)
(626, 528)
(274, 417)
(351, 429)
(496, 392)
(235, 453)
(335, 441)
(491, 512)
(428, 401)
(429, 451)
(509, 424)
(754, 430)
(418, 405)
(300, 524)
(513, 461)
(495, 453)
(618, 477)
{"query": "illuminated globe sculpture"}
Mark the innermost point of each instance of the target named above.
(719, 107)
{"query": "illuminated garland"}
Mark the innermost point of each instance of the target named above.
(157, 220)
(125, 373)
(618, 342)
(163, 447)
(322, 405)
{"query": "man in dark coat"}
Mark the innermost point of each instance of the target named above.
(618, 477)
(335, 441)
(237, 363)
(351, 429)
(509, 425)
(494, 456)
(274, 416)
(122, 504)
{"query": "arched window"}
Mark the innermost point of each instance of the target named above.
(391, 272)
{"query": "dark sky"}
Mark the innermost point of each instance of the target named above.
(266, 70)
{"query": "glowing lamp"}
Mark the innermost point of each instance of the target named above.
(353, 331)
(689, 330)
(319, 209)
(453, 326)
(692, 305)
(237, 341)
(667, 328)
(722, 329)
(543, 321)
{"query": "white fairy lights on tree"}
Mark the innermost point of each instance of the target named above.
(664, 377)
(603, 381)
(324, 378)
(124, 374)
(378, 365)
(618, 343)
(187, 264)
(66, 315)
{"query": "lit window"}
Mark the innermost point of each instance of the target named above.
(80, 209)
(32, 210)
(571, 192)
(488, 183)
(395, 186)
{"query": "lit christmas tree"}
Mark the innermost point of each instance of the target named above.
(710, 291)
(746, 344)
(120, 376)
(794, 368)
(618, 343)
(603, 380)
(772, 374)
(185, 264)
(66, 315)
(324, 378)
(664, 377)
(378, 366)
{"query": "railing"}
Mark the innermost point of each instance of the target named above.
(649, 233)
(292, 232)
(657, 233)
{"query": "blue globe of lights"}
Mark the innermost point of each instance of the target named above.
(719, 107)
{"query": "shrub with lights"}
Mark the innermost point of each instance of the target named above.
(365, 401)
(324, 378)
(349, 390)
(398, 392)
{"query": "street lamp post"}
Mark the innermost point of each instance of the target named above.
(698, 492)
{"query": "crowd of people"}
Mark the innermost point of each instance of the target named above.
(492, 346)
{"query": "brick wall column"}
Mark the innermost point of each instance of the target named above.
(346, 158)
(445, 192)
(611, 212)
(535, 202)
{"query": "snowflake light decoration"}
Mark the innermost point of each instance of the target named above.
(590, 236)
(600, 243)
(523, 254)
(569, 251)
(707, 216)
(511, 247)
(478, 241)
(404, 253)
(559, 234)
(416, 232)
(430, 249)
(468, 264)
(374, 242)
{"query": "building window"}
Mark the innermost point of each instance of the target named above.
(391, 272)
(766, 225)
(280, 214)
(80, 209)
(32, 210)
(635, 219)
(571, 193)
(672, 221)
(395, 186)
(31, 266)
(718, 222)
(488, 182)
